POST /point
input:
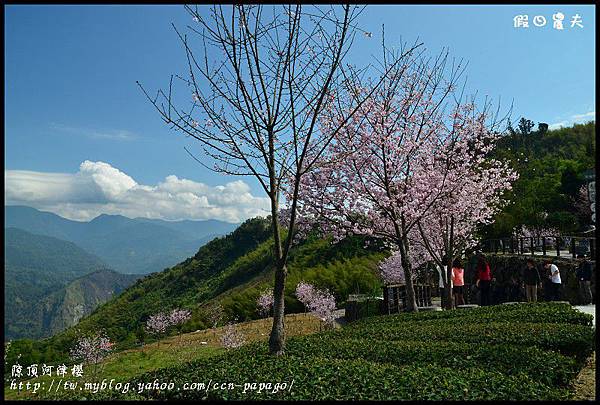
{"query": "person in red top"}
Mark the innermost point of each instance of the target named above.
(458, 280)
(483, 277)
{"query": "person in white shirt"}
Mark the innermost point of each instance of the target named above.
(443, 293)
(555, 282)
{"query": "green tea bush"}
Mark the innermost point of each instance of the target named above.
(548, 367)
(551, 312)
(568, 339)
(512, 352)
(317, 378)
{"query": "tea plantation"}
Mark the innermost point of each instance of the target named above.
(508, 352)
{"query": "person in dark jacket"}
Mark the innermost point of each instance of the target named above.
(531, 280)
(483, 277)
(584, 276)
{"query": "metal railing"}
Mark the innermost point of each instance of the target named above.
(555, 246)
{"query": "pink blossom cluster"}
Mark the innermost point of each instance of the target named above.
(536, 233)
(304, 292)
(265, 302)
(391, 271)
(319, 302)
(91, 349)
(179, 316)
(404, 170)
(160, 322)
(231, 337)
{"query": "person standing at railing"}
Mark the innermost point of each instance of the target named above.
(584, 276)
(531, 280)
(483, 277)
(458, 279)
(555, 281)
(442, 288)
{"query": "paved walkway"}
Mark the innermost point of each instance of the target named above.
(588, 309)
(585, 383)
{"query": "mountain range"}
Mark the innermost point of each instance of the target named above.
(136, 246)
(58, 270)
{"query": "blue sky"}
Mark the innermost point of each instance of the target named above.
(71, 95)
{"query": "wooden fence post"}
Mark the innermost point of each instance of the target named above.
(543, 246)
(531, 246)
(520, 252)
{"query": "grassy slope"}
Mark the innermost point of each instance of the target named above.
(175, 350)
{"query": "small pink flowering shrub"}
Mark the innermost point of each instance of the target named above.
(319, 302)
(91, 349)
(264, 302)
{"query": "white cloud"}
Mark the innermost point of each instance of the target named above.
(99, 188)
(574, 119)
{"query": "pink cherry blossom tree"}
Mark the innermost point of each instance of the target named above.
(399, 161)
(91, 349)
(304, 292)
(322, 305)
(178, 317)
(158, 324)
(264, 302)
(319, 302)
(448, 232)
(254, 94)
(231, 337)
(474, 184)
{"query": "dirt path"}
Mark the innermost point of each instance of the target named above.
(585, 384)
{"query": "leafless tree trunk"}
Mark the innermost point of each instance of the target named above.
(254, 97)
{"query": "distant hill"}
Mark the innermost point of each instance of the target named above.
(126, 245)
(46, 256)
(49, 284)
(80, 297)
